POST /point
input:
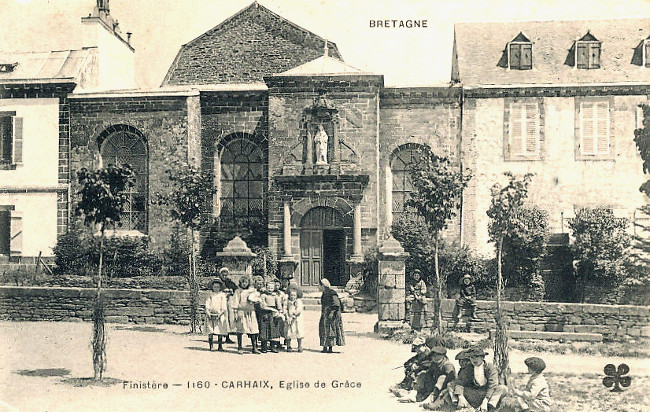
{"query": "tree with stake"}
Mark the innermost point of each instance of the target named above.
(506, 202)
(103, 195)
(438, 188)
(187, 202)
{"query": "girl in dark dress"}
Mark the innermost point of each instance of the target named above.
(330, 327)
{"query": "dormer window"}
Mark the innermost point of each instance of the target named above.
(588, 52)
(7, 67)
(520, 53)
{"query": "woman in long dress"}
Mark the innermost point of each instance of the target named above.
(330, 327)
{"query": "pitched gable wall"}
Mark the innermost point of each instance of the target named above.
(252, 44)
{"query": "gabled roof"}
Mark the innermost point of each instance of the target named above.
(588, 37)
(521, 38)
(479, 48)
(253, 43)
(321, 66)
(60, 64)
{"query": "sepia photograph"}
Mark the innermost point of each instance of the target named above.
(242, 205)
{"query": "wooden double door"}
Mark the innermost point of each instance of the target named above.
(322, 255)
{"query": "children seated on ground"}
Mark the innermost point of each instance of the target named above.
(417, 292)
(294, 324)
(466, 298)
(438, 373)
(216, 311)
(478, 385)
(245, 320)
(448, 396)
(412, 367)
(536, 397)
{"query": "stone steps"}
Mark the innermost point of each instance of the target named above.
(559, 336)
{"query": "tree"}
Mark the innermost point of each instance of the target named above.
(187, 203)
(438, 188)
(103, 195)
(641, 253)
(506, 203)
(600, 247)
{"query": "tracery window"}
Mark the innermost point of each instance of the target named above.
(401, 163)
(241, 195)
(126, 145)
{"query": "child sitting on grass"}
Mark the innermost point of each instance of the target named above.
(536, 397)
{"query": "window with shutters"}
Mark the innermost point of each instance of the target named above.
(520, 53)
(523, 129)
(594, 129)
(241, 192)
(11, 140)
(125, 144)
(587, 51)
(402, 161)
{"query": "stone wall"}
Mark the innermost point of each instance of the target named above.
(161, 119)
(70, 304)
(613, 322)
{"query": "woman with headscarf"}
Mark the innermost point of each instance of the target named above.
(330, 327)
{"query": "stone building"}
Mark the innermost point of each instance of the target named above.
(310, 155)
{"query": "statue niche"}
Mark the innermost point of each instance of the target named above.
(318, 150)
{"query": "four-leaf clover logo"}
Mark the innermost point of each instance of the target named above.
(616, 377)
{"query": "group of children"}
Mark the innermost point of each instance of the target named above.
(267, 311)
(430, 377)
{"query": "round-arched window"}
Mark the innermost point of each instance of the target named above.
(242, 181)
(403, 159)
(127, 146)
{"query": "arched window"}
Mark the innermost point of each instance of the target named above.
(123, 144)
(241, 195)
(401, 163)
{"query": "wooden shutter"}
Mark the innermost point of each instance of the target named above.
(515, 56)
(582, 55)
(587, 128)
(647, 53)
(16, 233)
(594, 55)
(516, 129)
(17, 149)
(526, 56)
(532, 128)
(602, 127)
(5, 232)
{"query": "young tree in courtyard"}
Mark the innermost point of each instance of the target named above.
(506, 202)
(103, 195)
(187, 202)
(642, 140)
(438, 188)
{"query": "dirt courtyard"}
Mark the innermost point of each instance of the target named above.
(43, 366)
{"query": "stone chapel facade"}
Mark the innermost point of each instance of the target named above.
(313, 154)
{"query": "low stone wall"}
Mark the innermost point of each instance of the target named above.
(71, 304)
(613, 322)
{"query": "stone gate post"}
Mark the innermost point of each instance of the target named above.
(391, 285)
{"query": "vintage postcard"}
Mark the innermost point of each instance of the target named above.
(324, 206)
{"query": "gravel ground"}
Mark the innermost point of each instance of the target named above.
(45, 366)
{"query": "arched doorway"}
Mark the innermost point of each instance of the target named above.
(322, 246)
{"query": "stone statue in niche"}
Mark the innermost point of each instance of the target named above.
(321, 141)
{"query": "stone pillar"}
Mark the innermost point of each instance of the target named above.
(237, 257)
(286, 229)
(309, 161)
(391, 285)
(287, 264)
(356, 233)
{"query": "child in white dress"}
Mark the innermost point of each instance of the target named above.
(216, 314)
(295, 327)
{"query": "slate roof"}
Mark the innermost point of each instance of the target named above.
(322, 66)
(244, 48)
(61, 64)
(479, 52)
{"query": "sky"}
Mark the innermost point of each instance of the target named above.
(406, 57)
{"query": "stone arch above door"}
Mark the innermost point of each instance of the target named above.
(302, 206)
